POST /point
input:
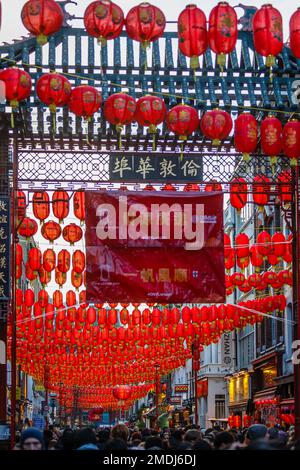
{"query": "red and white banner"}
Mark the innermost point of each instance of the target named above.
(154, 247)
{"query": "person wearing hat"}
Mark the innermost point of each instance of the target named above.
(31, 439)
(256, 431)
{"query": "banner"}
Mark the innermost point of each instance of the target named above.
(4, 246)
(153, 246)
(202, 388)
(181, 388)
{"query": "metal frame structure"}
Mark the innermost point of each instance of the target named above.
(44, 158)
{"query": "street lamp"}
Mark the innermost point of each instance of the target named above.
(156, 389)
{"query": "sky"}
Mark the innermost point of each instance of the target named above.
(12, 27)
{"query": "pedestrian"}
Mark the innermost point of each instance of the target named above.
(256, 431)
(85, 439)
(120, 431)
(32, 439)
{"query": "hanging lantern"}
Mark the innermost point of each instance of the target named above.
(72, 233)
(192, 34)
(238, 193)
(84, 102)
(76, 279)
(19, 254)
(242, 245)
(49, 260)
(245, 134)
(263, 243)
(104, 20)
(60, 278)
(284, 187)
(79, 205)
(44, 276)
(63, 261)
(183, 120)
(42, 18)
(78, 261)
(119, 110)
(43, 298)
(267, 33)
(150, 112)
(222, 33)
(261, 188)
(54, 90)
(216, 125)
(256, 258)
(71, 298)
(213, 186)
(191, 187)
(17, 87)
(34, 259)
(60, 205)
(145, 23)
(30, 274)
(51, 231)
(291, 140)
(122, 392)
(28, 228)
(21, 205)
(41, 205)
(295, 33)
(278, 244)
(271, 137)
(57, 299)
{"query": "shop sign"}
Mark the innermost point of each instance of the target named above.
(181, 388)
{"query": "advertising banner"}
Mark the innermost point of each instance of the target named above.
(153, 246)
(181, 388)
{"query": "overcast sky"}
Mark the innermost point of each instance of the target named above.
(12, 27)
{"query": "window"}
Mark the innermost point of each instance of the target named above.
(219, 406)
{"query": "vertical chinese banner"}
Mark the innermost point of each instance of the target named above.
(155, 247)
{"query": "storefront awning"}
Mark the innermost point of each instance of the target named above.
(267, 394)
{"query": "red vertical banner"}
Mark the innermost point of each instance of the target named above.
(161, 247)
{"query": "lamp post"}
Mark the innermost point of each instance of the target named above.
(195, 367)
(156, 389)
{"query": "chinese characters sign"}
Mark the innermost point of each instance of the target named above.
(181, 388)
(155, 168)
(4, 247)
(154, 247)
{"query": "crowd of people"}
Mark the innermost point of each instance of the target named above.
(122, 438)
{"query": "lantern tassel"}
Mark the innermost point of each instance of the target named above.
(12, 120)
(119, 128)
(87, 132)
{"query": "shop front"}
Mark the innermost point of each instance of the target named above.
(239, 398)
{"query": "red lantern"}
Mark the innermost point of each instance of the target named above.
(295, 33)
(34, 259)
(216, 125)
(284, 187)
(119, 110)
(27, 228)
(71, 298)
(19, 254)
(264, 243)
(79, 205)
(60, 207)
(76, 279)
(42, 18)
(21, 205)
(54, 90)
(183, 120)
(45, 276)
(72, 233)
(63, 261)
(267, 33)
(40, 204)
(261, 187)
(271, 137)
(238, 279)
(85, 101)
(238, 193)
(17, 85)
(192, 33)
(122, 392)
(213, 186)
(145, 23)
(43, 298)
(191, 187)
(104, 20)
(49, 260)
(150, 112)
(256, 258)
(291, 140)
(278, 244)
(78, 261)
(222, 33)
(30, 274)
(51, 231)
(60, 278)
(29, 298)
(245, 134)
(242, 245)
(57, 299)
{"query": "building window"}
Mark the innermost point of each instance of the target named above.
(219, 406)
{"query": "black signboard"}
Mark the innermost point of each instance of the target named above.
(156, 168)
(4, 246)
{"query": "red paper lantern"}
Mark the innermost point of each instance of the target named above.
(261, 188)
(291, 140)
(43, 298)
(51, 231)
(19, 254)
(35, 259)
(63, 261)
(49, 260)
(192, 33)
(60, 278)
(150, 112)
(45, 276)
(28, 228)
(267, 33)
(264, 243)
(271, 137)
(60, 205)
(278, 244)
(104, 20)
(30, 274)
(78, 261)
(54, 90)
(85, 101)
(145, 23)
(29, 298)
(295, 33)
(41, 205)
(213, 186)
(42, 18)
(191, 187)
(216, 125)
(238, 193)
(17, 85)
(245, 134)
(183, 120)
(72, 233)
(57, 299)
(79, 205)
(122, 392)
(222, 33)
(119, 110)
(76, 279)
(255, 256)
(242, 245)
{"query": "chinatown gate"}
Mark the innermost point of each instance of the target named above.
(73, 155)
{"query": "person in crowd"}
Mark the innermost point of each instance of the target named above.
(153, 443)
(192, 435)
(115, 444)
(120, 431)
(85, 439)
(223, 440)
(256, 431)
(32, 439)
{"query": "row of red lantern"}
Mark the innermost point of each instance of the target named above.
(260, 282)
(37, 260)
